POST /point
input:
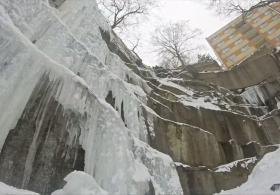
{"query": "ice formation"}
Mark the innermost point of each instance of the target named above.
(65, 47)
(263, 178)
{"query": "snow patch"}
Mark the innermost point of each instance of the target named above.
(243, 163)
(9, 190)
(80, 183)
(168, 82)
(265, 174)
(200, 102)
(178, 164)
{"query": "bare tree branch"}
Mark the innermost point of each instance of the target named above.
(173, 43)
(135, 45)
(119, 12)
(234, 6)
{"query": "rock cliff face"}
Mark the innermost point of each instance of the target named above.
(73, 97)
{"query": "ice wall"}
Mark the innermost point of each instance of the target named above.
(64, 49)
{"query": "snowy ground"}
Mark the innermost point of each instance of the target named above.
(9, 190)
(80, 183)
(264, 176)
(77, 183)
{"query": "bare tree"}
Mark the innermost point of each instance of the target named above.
(134, 44)
(242, 7)
(173, 43)
(124, 12)
(205, 58)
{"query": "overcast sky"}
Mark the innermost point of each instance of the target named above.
(198, 14)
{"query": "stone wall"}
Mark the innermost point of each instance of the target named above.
(207, 66)
(249, 73)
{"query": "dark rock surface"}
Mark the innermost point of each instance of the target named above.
(38, 153)
(275, 187)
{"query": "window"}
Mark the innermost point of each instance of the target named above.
(231, 37)
(246, 48)
(232, 57)
(263, 25)
(221, 44)
(275, 18)
(226, 50)
(216, 38)
(238, 42)
(268, 13)
(256, 20)
(251, 33)
(271, 31)
(228, 31)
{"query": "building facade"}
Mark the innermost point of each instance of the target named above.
(243, 36)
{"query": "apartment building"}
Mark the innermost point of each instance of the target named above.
(242, 37)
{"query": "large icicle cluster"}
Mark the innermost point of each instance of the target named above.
(73, 97)
(65, 48)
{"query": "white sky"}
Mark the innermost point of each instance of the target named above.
(198, 14)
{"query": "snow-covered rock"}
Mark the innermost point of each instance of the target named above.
(263, 177)
(9, 190)
(243, 163)
(79, 182)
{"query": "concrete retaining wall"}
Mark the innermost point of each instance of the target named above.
(251, 72)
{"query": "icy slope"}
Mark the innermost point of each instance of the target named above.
(264, 179)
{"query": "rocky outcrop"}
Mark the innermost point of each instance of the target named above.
(202, 180)
(206, 136)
